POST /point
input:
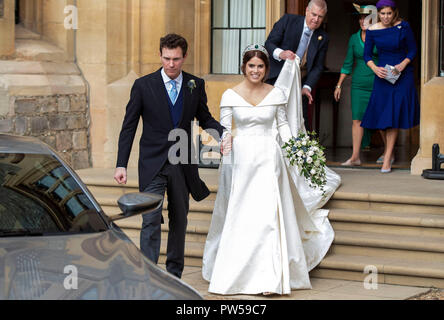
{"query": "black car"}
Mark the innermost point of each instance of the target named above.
(57, 243)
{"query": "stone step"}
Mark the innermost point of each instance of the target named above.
(380, 240)
(201, 206)
(389, 270)
(37, 67)
(193, 249)
(394, 230)
(394, 202)
(365, 244)
(379, 230)
(117, 191)
(42, 85)
(38, 50)
(392, 269)
(103, 177)
(386, 252)
(136, 221)
(24, 33)
(415, 219)
(196, 224)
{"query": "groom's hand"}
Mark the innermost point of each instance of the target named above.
(120, 175)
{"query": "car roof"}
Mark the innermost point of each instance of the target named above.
(20, 144)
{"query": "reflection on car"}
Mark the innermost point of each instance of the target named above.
(57, 243)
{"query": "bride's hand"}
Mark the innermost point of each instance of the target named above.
(225, 147)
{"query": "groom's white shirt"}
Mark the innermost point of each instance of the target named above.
(166, 81)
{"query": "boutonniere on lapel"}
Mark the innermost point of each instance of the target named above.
(320, 38)
(191, 85)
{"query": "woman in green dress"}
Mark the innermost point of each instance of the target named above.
(361, 86)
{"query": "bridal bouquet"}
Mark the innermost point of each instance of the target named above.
(307, 154)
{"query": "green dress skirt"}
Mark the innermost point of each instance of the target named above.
(362, 79)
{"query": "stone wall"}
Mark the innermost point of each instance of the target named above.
(61, 121)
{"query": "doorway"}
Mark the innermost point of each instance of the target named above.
(341, 23)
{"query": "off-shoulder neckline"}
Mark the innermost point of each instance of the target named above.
(249, 103)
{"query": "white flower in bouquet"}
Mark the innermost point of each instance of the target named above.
(305, 152)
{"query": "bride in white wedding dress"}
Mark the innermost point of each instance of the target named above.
(267, 230)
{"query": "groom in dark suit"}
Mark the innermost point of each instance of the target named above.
(167, 99)
(300, 35)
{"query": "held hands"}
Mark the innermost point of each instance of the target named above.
(120, 175)
(225, 147)
(287, 55)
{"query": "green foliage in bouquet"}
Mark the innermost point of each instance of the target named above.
(307, 154)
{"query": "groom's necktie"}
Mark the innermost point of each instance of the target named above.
(303, 44)
(173, 92)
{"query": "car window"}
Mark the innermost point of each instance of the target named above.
(38, 195)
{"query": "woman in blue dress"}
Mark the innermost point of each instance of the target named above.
(391, 106)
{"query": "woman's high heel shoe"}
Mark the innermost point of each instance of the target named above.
(349, 162)
(386, 170)
(381, 160)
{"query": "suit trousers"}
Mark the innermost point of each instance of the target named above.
(172, 180)
(304, 105)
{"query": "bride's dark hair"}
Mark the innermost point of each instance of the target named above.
(256, 53)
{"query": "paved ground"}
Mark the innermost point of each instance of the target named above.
(433, 294)
(364, 184)
(323, 289)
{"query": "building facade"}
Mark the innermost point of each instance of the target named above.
(113, 42)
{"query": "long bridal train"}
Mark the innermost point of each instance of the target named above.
(268, 229)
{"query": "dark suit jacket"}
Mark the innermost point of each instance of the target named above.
(286, 34)
(149, 101)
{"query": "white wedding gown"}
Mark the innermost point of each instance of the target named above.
(267, 230)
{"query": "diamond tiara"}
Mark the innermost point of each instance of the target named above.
(255, 47)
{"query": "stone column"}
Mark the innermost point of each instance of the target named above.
(7, 27)
(432, 90)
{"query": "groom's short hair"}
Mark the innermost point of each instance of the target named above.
(173, 41)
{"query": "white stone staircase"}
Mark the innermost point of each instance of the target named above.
(38, 68)
(400, 232)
